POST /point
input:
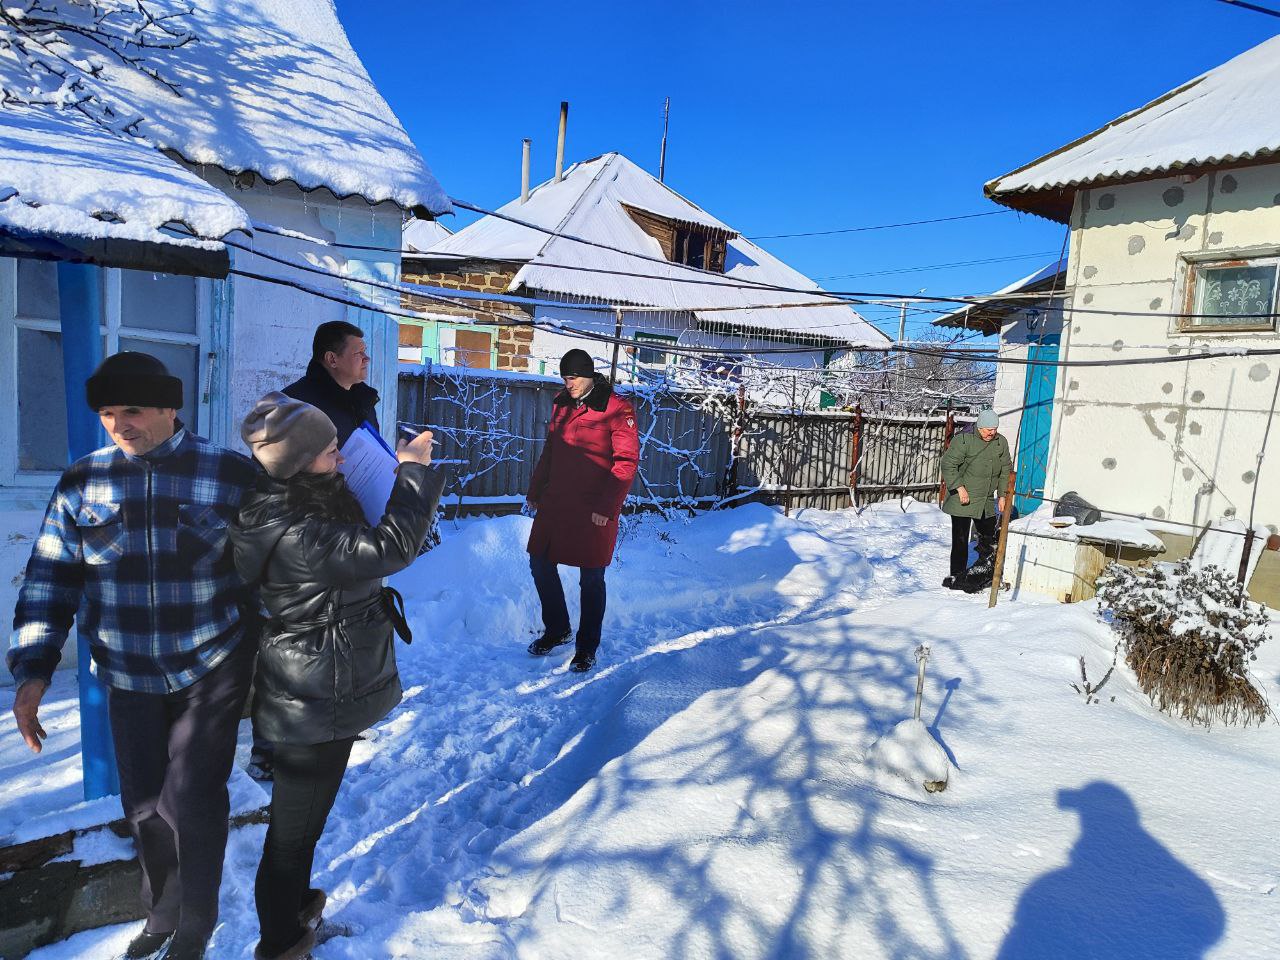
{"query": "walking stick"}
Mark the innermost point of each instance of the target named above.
(998, 572)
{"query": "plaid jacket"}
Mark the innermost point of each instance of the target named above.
(138, 547)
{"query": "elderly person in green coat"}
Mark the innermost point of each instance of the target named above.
(975, 469)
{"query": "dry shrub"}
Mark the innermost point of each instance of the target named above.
(1187, 640)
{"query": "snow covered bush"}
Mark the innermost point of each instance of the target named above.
(1187, 639)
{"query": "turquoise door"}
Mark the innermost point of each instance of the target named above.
(1037, 419)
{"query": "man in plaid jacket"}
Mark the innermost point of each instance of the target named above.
(135, 541)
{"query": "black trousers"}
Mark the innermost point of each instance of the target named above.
(174, 752)
(306, 783)
(986, 527)
(555, 615)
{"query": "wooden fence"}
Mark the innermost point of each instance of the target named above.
(697, 449)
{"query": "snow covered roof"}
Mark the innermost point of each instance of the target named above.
(68, 184)
(1225, 116)
(988, 315)
(272, 87)
(592, 202)
(421, 235)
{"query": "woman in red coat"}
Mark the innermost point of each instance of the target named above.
(577, 491)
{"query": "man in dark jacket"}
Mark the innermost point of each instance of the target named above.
(335, 379)
(134, 549)
(577, 491)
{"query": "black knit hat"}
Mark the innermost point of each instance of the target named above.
(132, 379)
(577, 363)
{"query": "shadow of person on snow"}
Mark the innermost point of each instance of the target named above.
(1121, 894)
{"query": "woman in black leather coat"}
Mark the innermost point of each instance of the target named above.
(326, 661)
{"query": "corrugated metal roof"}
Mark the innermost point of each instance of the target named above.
(590, 202)
(991, 312)
(1227, 115)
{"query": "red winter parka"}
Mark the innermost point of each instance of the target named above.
(586, 467)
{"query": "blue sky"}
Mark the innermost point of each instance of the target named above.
(792, 117)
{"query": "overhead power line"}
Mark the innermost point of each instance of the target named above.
(938, 266)
(879, 226)
(1252, 6)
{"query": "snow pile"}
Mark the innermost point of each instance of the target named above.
(1223, 547)
(1112, 530)
(909, 752)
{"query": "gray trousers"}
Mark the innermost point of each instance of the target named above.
(174, 752)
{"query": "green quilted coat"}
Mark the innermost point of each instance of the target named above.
(981, 467)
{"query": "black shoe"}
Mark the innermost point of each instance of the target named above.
(146, 945)
(186, 948)
(582, 662)
(949, 583)
(261, 769)
(547, 642)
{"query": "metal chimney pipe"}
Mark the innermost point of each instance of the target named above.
(662, 157)
(564, 122)
(524, 170)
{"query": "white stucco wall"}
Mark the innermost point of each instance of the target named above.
(1176, 441)
(262, 332)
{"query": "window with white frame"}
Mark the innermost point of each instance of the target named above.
(1231, 295)
(160, 314)
(653, 356)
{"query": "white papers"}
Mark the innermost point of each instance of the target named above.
(370, 471)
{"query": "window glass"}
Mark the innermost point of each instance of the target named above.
(42, 406)
(37, 289)
(157, 301)
(649, 356)
(183, 361)
(1236, 294)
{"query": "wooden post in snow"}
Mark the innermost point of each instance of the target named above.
(855, 454)
(947, 434)
(998, 572)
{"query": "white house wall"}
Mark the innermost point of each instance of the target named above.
(1176, 440)
(263, 331)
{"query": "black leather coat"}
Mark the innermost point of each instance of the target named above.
(326, 660)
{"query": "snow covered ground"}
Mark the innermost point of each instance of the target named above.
(706, 791)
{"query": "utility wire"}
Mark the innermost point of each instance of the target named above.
(708, 278)
(938, 266)
(1252, 6)
(879, 226)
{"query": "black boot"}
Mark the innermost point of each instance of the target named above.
(548, 642)
(146, 945)
(582, 662)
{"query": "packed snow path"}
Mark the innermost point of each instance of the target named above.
(704, 791)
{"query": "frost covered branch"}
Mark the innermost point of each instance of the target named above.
(61, 44)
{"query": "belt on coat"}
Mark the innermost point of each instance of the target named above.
(388, 598)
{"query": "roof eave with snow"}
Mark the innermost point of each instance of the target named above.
(1224, 118)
